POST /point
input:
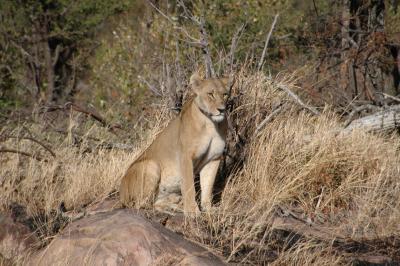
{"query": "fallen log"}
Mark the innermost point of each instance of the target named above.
(387, 119)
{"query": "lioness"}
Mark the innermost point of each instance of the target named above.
(192, 143)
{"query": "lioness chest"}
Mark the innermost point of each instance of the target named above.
(209, 146)
(205, 147)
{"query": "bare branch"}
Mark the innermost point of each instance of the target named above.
(235, 40)
(36, 141)
(261, 62)
(387, 119)
(267, 119)
(358, 110)
(151, 87)
(92, 114)
(5, 150)
(56, 55)
(203, 42)
(397, 99)
(187, 13)
(183, 30)
(101, 145)
(206, 51)
(297, 99)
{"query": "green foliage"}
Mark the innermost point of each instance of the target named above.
(66, 27)
(128, 60)
(290, 35)
(136, 46)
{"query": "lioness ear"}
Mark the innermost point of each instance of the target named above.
(195, 80)
(225, 81)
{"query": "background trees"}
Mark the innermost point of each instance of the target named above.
(135, 48)
(45, 44)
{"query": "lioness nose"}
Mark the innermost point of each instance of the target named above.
(221, 109)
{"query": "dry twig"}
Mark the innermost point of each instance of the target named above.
(297, 99)
(77, 108)
(5, 150)
(358, 110)
(261, 62)
(47, 148)
(397, 99)
(235, 40)
(267, 119)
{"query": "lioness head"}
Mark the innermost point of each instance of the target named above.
(210, 96)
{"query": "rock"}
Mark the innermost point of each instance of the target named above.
(121, 237)
(15, 239)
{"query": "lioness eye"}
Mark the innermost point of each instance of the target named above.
(210, 94)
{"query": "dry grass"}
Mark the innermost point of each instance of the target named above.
(82, 173)
(298, 162)
(348, 182)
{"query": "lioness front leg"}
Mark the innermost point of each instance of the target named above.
(207, 179)
(188, 191)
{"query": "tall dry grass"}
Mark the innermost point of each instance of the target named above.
(84, 171)
(304, 164)
(297, 162)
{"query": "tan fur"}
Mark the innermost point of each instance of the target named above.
(192, 143)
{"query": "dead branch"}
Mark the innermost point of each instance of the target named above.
(77, 108)
(203, 42)
(397, 99)
(56, 55)
(36, 141)
(268, 118)
(296, 226)
(387, 119)
(358, 110)
(210, 73)
(152, 88)
(23, 153)
(91, 114)
(264, 52)
(100, 145)
(363, 250)
(182, 29)
(235, 40)
(297, 99)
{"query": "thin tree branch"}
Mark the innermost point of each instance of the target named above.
(267, 119)
(23, 153)
(210, 73)
(235, 40)
(297, 99)
(397, 99)
(261, 62)
(183, 30)
(92, 114)
(358, 110)
(36, 141)
(56, 55)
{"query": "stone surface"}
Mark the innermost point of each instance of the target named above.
(121, 237)
(15, 239)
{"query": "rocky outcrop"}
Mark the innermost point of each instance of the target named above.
(15, 239)
(121, 237)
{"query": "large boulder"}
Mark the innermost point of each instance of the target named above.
(121, 237)
(16, 239)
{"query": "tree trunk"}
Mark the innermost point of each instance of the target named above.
(49, 71)
(344, 66)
